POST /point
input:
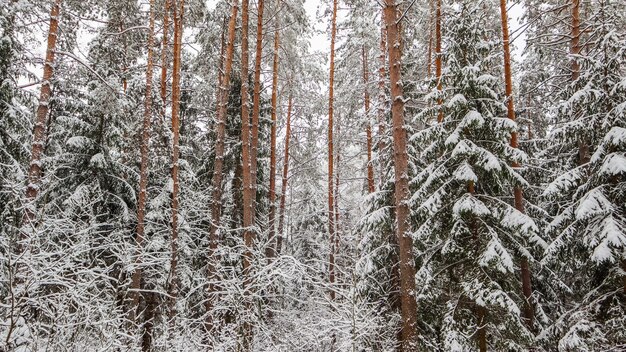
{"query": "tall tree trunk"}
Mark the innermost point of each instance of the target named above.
(248, 202)
(151, 306)
(221, 127)
(256, 106)
(271, 245)
(438, 59)
(368, 126)
(179, 9)
(331, 155)
(216, 207)
(517, 191)
(164, 62)
(583, 145)
(382, 99)
(143, 173)
(248, 192)
(39, 129)
(213, 240)
(283, 196)
(575, 39)
(220, 71)
(407, 265)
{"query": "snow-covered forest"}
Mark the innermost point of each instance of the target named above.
(302, 175)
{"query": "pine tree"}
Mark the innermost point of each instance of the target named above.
(407, 264)
(143, 174)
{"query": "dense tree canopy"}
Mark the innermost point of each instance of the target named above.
(299, 175)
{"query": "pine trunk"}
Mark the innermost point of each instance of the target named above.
(256, 106)
(517, 191)
(39, 130)
(331, 155)
(438, 59)
(272, 191)
(283, 196)
(216, 207)
(164, 45)
(178, 33)
(248, 202)
(407, 265)
(143, 173)
(220, 72)
(368, 126)
(382, 100)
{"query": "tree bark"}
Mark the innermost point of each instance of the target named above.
(283, 196)
(438, 58)
(583, 145)
(368, 126)
(407, 265)
(143, 173)
(272, 191)
(248, 202)
(248, 192)
(517, 190)
(39, 129)
(164, 45)
(256, 106)
(331, 155)
(221, 128)
(179, 9)
(382, 99)
(216, 207)
(220, 72)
